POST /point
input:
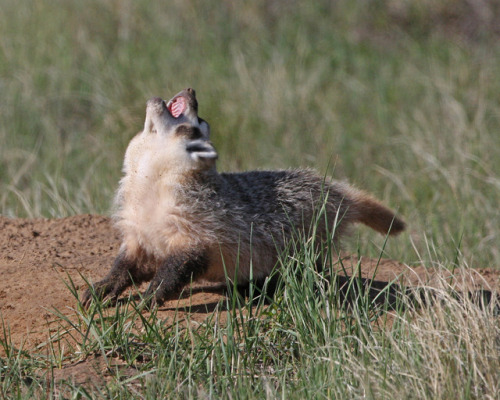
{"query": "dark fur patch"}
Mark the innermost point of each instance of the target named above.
(189, 132)
(191, 98)
(123, 273)
(175, 272)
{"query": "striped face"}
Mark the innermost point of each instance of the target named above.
(178, 119)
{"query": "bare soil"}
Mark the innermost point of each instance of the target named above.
(38, 257)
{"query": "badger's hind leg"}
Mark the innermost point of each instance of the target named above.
(125, 272)
(175, 272)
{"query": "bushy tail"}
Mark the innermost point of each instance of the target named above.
(373, 214)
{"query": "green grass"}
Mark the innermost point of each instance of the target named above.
(403, 101)
(306, 344)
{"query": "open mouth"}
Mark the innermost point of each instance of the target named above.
(177, 106)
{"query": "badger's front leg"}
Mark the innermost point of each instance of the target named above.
(175, 272)
(125, 271)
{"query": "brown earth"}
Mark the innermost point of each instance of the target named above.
(38, 256)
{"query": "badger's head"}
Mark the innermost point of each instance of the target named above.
(177, 121)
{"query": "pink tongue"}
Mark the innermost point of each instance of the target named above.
(178, 107)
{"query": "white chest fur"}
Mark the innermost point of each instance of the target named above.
(150, 210)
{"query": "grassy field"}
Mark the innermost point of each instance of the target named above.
(308, 344)
(402, 100)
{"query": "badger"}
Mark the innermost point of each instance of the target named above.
(182, 221)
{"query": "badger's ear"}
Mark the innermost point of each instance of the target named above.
(204, 128)
(201, 150)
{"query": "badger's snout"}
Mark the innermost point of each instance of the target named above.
(156, 105)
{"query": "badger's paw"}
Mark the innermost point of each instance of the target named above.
(100, 291)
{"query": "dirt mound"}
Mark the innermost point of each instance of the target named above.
(37, 257)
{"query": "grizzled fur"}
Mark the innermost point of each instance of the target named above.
(181, 220)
